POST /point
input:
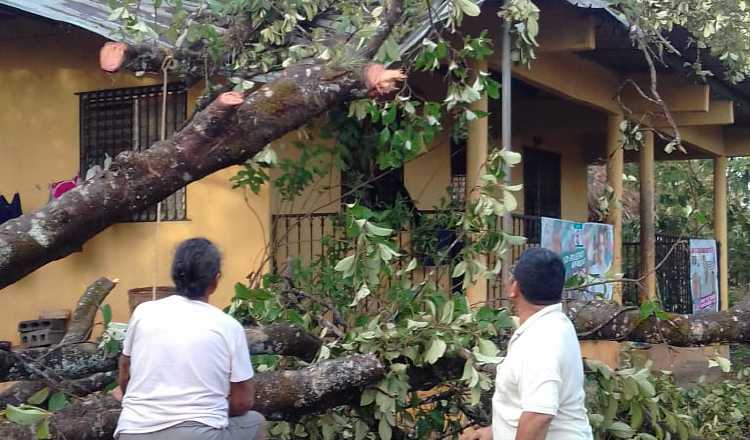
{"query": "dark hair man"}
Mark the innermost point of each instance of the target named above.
(539, 387)
(185, 369)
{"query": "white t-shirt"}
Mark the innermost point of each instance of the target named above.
(542, 373)
(183, 355)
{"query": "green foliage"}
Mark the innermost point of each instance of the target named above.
(721, 26)
(637, 403)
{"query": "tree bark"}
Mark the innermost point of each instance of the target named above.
(224, 133)
(82, 360)
(607, 321)
(80, 326)
(22, 391)
(284, 394)
(79, 330)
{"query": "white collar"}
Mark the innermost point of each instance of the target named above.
(535, 317)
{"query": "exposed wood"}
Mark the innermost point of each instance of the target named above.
(80, 326)
(615, 170)
(648, 229)
(476, 159)
(720, 227)
(82, 360)
(220, 135)
(678, 94)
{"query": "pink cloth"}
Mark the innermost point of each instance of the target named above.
(57, 189)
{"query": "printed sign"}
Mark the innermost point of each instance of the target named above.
(587, 249)
(704, 276)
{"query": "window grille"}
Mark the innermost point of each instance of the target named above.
(113, 121)
(541, 182)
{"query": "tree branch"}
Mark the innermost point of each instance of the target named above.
(227, 132)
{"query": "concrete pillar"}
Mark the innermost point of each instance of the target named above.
(720, 226)
(648, 229)
(476, 158)
(615, 170)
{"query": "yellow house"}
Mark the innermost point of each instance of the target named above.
(63, 115)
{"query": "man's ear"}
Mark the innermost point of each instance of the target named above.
(515, 290)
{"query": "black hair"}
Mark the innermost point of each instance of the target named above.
(196, 264)
(541, 275)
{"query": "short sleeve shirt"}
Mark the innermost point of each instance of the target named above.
(183, 356)
(542, 373)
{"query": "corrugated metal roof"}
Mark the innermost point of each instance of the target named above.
(92, 15)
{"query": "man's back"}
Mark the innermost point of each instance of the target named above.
(542, 373)
(183, 353)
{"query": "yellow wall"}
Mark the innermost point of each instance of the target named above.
(40, 71)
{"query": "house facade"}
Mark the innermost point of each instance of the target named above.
(63, 116)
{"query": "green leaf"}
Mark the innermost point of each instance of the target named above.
(721, 362)
(620, 430)
(367, 398)
(106, 314)
(435, 351)
(510, 157)
(345, 265)
(362, 293)
(42, 430)
(360, 430)
(384, 429)
(487, 347)
(413, 325)
(459, 269)
(39, 397)
(447, 315)
(377, 230)
(241, 292)
(25, 415)
(468, 7)
(57, 402)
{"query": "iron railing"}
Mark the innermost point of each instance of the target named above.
(305, 236)
(672, 276)
(302, 236)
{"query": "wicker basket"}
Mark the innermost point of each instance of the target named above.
(143, 294)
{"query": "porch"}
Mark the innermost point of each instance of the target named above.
(308, 236)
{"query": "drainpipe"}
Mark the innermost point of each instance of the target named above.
(505, 66)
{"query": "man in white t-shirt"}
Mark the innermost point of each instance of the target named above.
(185, 369)
(539, 386)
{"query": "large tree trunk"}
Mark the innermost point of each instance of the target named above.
(81, 360)
(594, 320)
(229, 131)
(606, 321)
(284, 394)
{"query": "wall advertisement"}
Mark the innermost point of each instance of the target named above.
(704, 276)
(587, 250)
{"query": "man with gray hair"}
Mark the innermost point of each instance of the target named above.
(185, 369)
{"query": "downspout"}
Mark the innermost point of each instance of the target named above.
(505, 67)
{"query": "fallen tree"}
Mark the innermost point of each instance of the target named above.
(229, 131)
(594, 320)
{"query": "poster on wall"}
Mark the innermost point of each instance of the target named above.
(704, 276)
(587, 249)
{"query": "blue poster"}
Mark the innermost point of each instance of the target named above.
(587, 250)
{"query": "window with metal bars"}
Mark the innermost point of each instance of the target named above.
(113, 121)
(541, 182)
